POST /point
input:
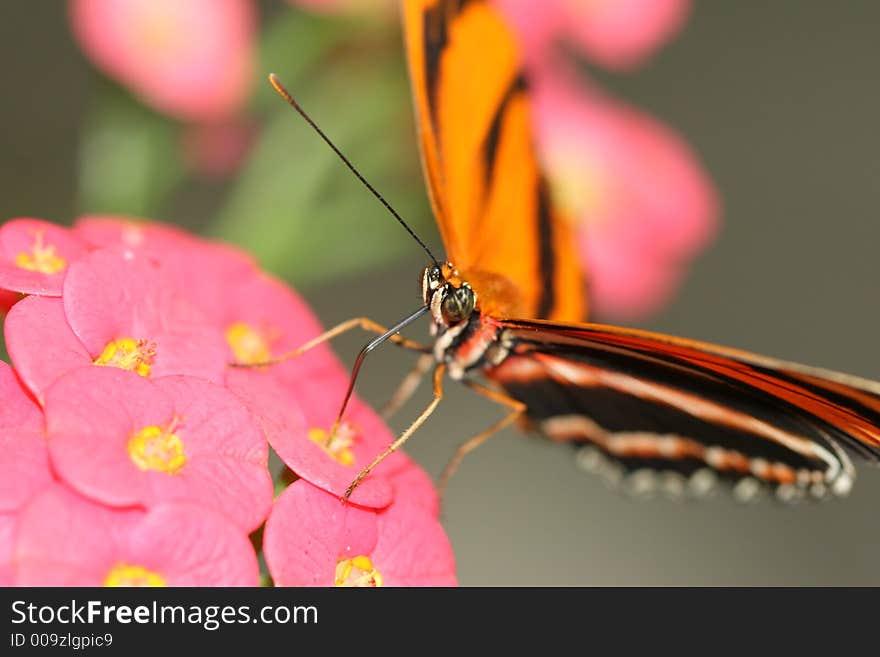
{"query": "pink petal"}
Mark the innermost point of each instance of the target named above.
(19, 238)
(192, 59)
(193, 546)
(124, 293)
(309, 531)
(24, 467)
(18, 411)
(8, 528)
(412, 549)
(41, 344)
(113, 230)
(412, 484)
(24, 459)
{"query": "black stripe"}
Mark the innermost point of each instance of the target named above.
(546, 257)
(434, 38)
(490, 144)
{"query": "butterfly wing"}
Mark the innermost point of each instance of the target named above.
(674, 410)
(488, 194)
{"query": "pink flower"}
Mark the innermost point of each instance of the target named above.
(193, 60)
(297, 400)
(66, 540)
(24, 459)
(124, 440)
(643, 203)
(35, 256)
(311, 539)
(615, 33)
(128, 313)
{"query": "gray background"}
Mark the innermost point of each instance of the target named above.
(782, 102)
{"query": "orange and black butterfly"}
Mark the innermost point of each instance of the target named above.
(508, 307)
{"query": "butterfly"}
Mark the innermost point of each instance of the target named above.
(508, 308)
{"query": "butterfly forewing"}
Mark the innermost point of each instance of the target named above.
(475, 131)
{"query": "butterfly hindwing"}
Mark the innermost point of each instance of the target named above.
(662, 407)
(475, 131)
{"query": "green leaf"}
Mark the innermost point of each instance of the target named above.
(129, 157)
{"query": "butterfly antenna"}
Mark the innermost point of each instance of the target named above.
(285, 94)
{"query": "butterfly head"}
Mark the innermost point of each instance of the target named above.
(451, 299)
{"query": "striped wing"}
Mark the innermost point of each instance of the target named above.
(487, 192)
(657, 409)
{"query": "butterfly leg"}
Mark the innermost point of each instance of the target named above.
(408, 386)
(363, 323)
(439, 371)
(517, 410)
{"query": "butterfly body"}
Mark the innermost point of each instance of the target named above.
(655, 403)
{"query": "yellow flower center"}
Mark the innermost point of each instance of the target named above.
(128, 354)
(125, 575)
(248, 344)
(357, 571)
(158, 448)
(338, 446)
(42, 258)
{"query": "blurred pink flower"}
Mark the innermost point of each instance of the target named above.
(193, 60)
(65, 540)
(643, 205)
(614, 33)
(35, 256)
(313, 540)
(125, 441)
(216, 149)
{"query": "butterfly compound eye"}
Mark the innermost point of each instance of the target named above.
(432, 277)
(458, 305)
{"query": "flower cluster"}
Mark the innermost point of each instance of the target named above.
(135, 453)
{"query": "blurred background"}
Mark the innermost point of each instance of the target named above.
(747, 130)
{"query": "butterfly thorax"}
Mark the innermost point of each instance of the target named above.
(465, 337)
